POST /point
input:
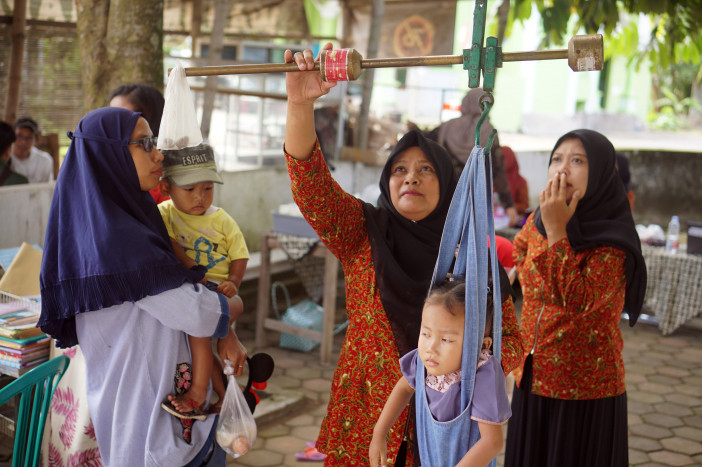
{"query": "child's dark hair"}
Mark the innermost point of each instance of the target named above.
(451, 294)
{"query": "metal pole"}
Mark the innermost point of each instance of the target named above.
(392, 62)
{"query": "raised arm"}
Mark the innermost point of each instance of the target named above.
(303, 89)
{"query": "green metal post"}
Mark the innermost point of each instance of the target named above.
(479, 59)
(475, 56)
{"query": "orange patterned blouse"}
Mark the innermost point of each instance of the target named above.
(368, 366)
(570, 316)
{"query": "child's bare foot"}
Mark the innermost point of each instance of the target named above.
(190, 401)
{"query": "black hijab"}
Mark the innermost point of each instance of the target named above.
(603, 216)
(404, 251)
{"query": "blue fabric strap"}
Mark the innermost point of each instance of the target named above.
(469, 226)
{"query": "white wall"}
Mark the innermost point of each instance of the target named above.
(248, 195)
(24, 212)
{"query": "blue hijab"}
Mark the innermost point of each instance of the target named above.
(106, 242)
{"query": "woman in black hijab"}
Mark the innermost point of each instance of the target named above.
(580, 265)
(387, 253)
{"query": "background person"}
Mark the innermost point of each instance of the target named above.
(27, 160)
(579, 262)
(149, 101)
(625, 176)
(7, 175)
(458, 137)
(110, 280)
(517, 184)
(388, 255)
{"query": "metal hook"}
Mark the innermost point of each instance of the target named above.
(491, 138)
(486, 101)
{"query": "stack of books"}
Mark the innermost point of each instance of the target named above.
(22, 344)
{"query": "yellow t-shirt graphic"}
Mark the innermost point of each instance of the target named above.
(213, 239)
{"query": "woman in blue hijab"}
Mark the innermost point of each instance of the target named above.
(111, 282)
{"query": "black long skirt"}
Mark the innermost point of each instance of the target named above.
(545, 432)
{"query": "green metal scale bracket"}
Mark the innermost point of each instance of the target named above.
(479, 59)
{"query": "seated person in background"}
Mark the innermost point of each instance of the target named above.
(625, 176)
(505, 253)
(517, 184)
(203, 236)
(27, 160)
(7, 175)
(458, 137)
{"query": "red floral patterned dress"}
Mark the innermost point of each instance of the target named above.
(368, 366)
(570, 316)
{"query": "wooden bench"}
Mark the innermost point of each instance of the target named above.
(269, 244)
(279, 262)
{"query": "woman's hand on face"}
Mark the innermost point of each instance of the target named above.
(555, 210)
(230, 348)
(305, 88)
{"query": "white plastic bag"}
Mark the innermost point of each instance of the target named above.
(236, 429)
(179, 126)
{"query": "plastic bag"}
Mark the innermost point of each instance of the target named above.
(179, 126)
(236, 429)
(306, 314)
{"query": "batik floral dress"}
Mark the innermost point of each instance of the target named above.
(368, 366)
(570, 316)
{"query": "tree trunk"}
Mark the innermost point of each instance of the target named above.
(19, 23)
(214, 57)
(121, 42)
(195, 27)
(502, 17)
(368, 75)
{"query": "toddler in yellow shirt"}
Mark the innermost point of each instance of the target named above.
(203, 236)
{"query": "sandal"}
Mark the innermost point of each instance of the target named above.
(310, 454)
(196, 413)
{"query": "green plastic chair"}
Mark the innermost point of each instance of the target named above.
(31, 416)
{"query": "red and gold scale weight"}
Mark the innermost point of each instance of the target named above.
(584, 53)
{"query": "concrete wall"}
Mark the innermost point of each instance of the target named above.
(248, 195)
(665, 183)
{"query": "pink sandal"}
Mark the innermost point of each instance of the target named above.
(310, 454)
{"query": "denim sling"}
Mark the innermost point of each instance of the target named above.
(469, 223)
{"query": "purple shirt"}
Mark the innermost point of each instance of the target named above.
(490, 403)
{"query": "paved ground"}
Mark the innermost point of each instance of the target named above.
(664, 383)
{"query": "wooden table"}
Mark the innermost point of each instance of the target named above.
(263, 321)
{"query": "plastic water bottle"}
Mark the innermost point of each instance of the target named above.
(671, 242)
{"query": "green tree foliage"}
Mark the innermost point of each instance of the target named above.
(675, 36)
(673, 48)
